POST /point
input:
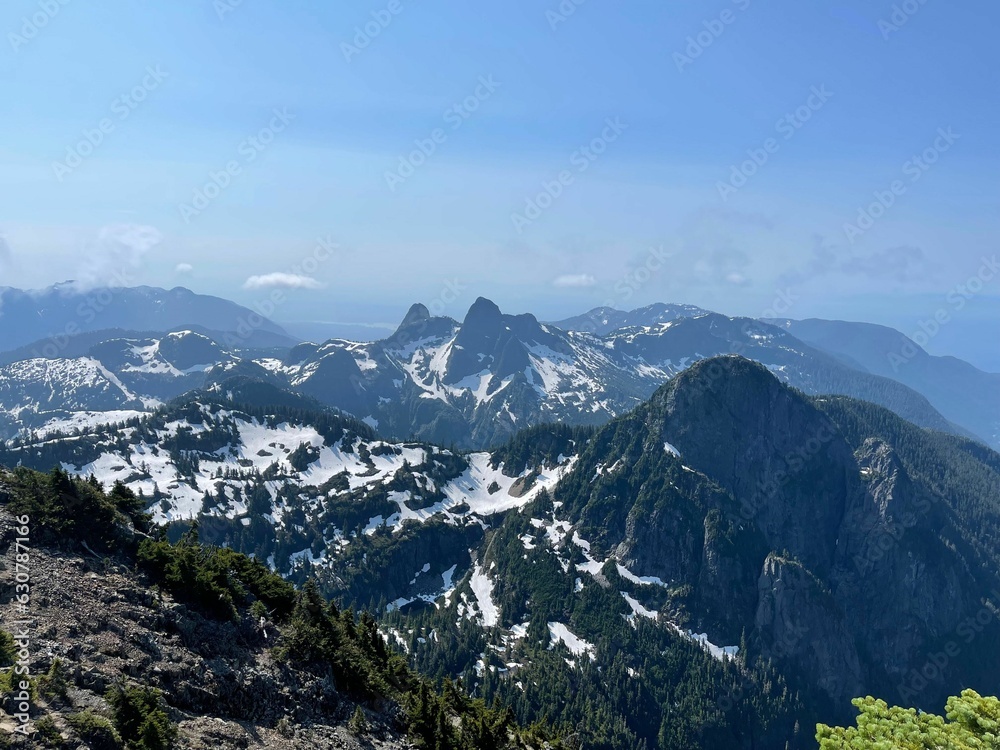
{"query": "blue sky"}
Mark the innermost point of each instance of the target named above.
(511, 96)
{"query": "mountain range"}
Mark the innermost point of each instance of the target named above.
(962, 393)
(157, 646)
(663, 528)
(476, 383)
(717, 567)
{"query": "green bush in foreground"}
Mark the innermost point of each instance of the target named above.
(48, 733)
(95, 730)
(64, 508)
(140, 718)
(218, 581)
(973, 723)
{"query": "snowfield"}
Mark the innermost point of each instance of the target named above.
(577, 646)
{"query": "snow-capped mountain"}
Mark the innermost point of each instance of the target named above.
(472, 384)
(478, 382)
(730, 536)
(603, 320)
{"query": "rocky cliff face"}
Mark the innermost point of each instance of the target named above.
(899, 531)
(779, 457)
(798, 619)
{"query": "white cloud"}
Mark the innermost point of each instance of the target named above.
(280, 280)
(184, 268)
(575, 281)
(118, 251)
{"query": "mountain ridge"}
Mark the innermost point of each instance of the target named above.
(59, 312)
(959, 390)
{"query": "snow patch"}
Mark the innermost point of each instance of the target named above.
(637, 609)
(577, 646)
(482, 589)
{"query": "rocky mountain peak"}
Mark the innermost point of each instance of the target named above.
(417, 313)
(484, 316)
(730, 381)
(187, 349)
(783, 460)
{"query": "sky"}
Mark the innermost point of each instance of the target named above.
(834, 159)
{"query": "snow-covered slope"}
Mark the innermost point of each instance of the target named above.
(472, 384)
(204, 455)
(117, 378)
(605, 320)
(36, 391)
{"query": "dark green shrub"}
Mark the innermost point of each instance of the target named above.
(48, 733)
(141, 719)
(96, 731)
(8, 650)
(55, 683)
